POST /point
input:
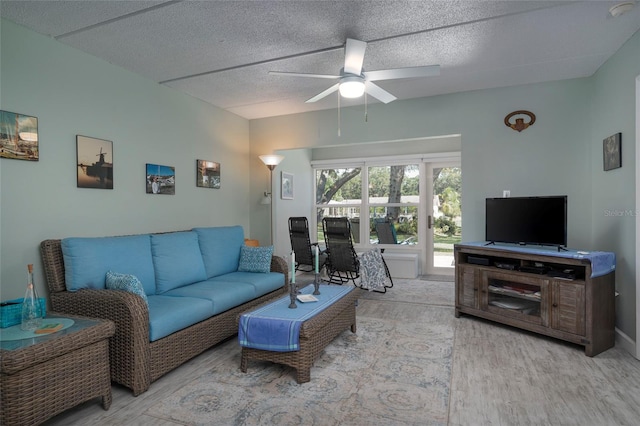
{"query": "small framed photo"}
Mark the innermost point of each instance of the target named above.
(287, 186)
(161, 179)
(94, 162)
(207, 174)
(18, 136)
(612, 152)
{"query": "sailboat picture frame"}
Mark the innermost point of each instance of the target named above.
(19, 136)
(160, 179)
(94, 163)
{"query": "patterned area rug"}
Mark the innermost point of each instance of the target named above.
(417, 291)
(389, 373)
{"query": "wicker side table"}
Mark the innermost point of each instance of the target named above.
(41, 377)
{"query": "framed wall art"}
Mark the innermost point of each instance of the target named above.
(207, 174)
(18, 136)
(612, 152)
(160, 179)
(287, 186)
(94, 162)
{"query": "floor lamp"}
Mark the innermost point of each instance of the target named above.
(271, 161)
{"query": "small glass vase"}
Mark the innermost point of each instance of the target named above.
(31, 316)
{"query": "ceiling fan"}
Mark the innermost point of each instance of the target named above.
(353, 81)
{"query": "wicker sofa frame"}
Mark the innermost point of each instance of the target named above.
(135, 362)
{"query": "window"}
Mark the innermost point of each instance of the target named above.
(394, 197)
(389, 193)
(339, 194)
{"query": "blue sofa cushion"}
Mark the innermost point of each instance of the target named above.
(263, 283)
(87, 260)
(170, 314)
(126, 282)
(220, 247)
(223, 295)
(255, 259)
(177, 260)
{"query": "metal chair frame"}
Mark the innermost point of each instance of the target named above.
(342, 260)
(386, 231)
(302, 246)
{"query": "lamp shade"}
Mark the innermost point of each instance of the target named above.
(271, 160)
(351, 87)
(266, 198)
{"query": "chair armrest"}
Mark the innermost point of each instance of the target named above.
(129, 347)
(278, 264)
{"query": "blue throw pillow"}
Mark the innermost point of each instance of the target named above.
(255, 259)
(126, 282)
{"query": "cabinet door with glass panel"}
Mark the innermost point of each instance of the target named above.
(517, 296)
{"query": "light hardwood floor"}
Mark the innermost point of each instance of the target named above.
(500, 376)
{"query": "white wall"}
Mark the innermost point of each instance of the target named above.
(297, 162)
(73, 93)
(613, 207)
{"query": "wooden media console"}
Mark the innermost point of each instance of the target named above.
(555, 294)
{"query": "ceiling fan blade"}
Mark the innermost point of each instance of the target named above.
(354, 56)
(298, 74)
(410, 72)
(321, 95)
(378, 92)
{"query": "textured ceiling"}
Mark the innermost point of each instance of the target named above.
(221, 51)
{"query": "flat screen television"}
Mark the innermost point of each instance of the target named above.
(527, 220)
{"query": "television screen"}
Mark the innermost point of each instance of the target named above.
(527, 220)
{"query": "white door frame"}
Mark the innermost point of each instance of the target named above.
(427, 253)
(637, 354)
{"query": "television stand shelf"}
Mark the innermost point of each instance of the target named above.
(578, 306)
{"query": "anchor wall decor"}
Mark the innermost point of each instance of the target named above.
(520, 125)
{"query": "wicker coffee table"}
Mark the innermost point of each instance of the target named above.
(315, 334)
(43, 376)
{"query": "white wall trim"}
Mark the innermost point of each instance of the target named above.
(637, 345)
(391, 159)
(625, 342)
(374, 141)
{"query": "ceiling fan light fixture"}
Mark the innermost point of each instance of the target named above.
(351, 87)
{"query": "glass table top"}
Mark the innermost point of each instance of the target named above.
(71, 325)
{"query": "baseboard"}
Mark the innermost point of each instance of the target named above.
(625, 342)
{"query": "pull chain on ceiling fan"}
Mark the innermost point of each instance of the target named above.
(353, 82)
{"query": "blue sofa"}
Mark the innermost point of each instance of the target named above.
(189, 289)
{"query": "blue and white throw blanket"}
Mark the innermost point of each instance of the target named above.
(276, 328)
(373, 275)
(602, 262)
